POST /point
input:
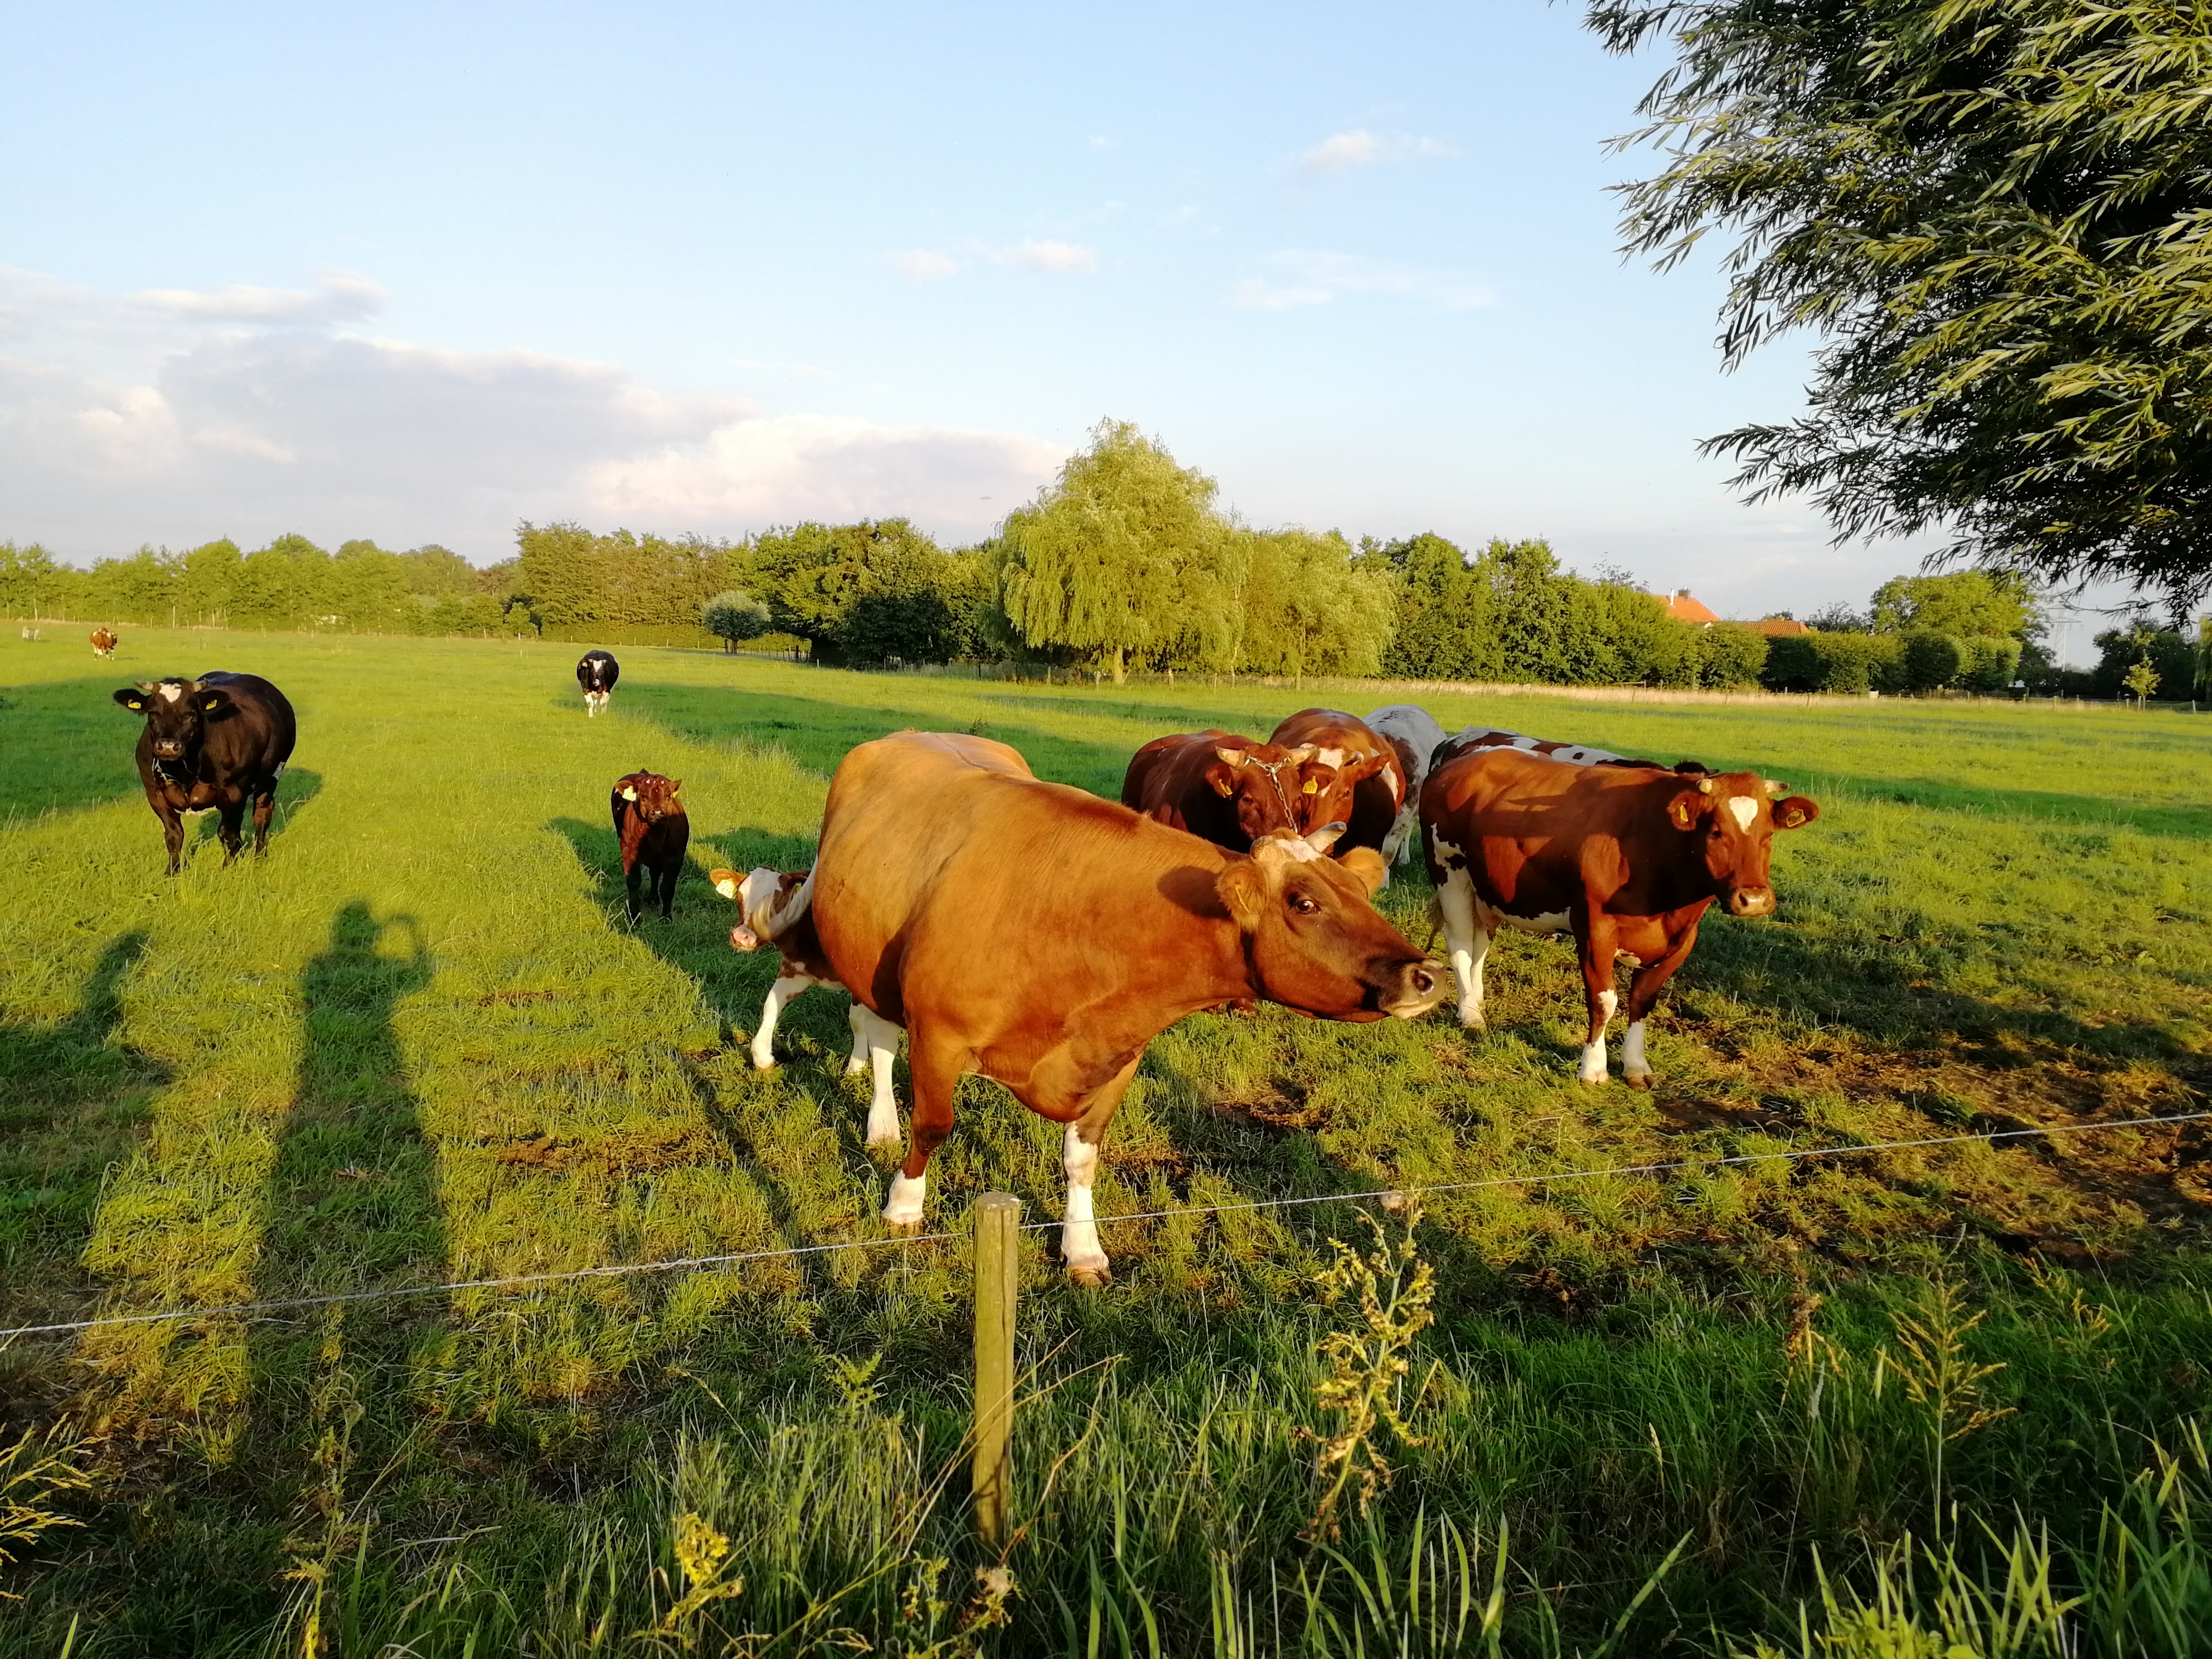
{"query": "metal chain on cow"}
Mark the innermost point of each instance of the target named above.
(1389, 1197)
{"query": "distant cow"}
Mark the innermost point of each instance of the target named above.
(653, 831)
(1413, 733)
(1039, 936)
(597, 673)
(211, 744)
(1223, 789)
(1368, 789)
(103, 642)
(774, 908)
(1626, 858)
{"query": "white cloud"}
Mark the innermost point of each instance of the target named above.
(925, 264)
(1360, 148)
(1056, 256)
(1315, 279)
(185, 415)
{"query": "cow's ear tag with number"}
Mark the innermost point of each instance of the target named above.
(629, 795)
(1312, 788)
(208, 705)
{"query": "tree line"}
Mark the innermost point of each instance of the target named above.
(1127, 562)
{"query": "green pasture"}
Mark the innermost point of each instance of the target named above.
(420, 1044)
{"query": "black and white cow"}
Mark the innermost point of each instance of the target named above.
(597, 673)
(211, 744)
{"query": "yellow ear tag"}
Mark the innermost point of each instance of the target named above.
(727, 888)
(210, 705)
(629, 795)
(1312, 788)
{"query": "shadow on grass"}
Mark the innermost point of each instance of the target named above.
(351, 1203)
(72, 1099)
(65, 745)
(2189, 823)
(294, 790)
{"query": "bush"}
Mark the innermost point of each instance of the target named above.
(733, 616)
(1992, 663)
(1731, 654)
(1847, 664)
(1928, 661)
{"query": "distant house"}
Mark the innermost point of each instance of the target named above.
(1775, 627)
(1682, 608)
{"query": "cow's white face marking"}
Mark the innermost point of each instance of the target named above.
(1743, 809)
(1297, 848)
(169, 693)
(1329, 756)
(752, 895)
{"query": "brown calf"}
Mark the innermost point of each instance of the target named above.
(1626, 858)
(653, 830)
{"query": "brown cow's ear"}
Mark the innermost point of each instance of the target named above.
(132, 700)
(1221, 777)
(1685, 809)
(1243, 888)
(1364, 866)
(1796, 809)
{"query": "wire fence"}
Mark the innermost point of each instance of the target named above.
(1388, 1196)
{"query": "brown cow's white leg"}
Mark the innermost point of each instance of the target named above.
(934, 1069)
(1635, 1070)
(1080, 1249)
(1592, 1068)
(858, 1062)
(879, 1039)
(778, 993)
(1400, 842)
(1465, 939)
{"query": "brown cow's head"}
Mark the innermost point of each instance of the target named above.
(652, 795)
(1265, 782)
(1328, 787)
(1315, 942)
(177, 713)
(764, 901)
(1734, 816)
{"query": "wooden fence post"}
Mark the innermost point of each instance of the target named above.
(997, 1228)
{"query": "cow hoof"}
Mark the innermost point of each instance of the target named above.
(900, 1229)
(1475, 1024)
(1593, 1082)
(891, 1142)
(1637, 1080)
(1091, 1279)
(854, 1067)
(760, 1065)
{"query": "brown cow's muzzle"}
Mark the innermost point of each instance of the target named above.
(1412, 988)
(1751, 902)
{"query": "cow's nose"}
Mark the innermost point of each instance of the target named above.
(1421, 986)
(1751, 902)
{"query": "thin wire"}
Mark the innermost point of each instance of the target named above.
(1396, 1193)
(609, 1271)
(620, 1268)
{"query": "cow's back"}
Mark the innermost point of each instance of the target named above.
(255, 738)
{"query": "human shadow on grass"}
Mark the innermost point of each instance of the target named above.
(351, 1203)
(72, 1100)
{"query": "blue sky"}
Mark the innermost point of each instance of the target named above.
(416, 272)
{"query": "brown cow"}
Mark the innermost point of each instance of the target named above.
(1221, 787)
(1368, 789)
(103, 642)
(655, 830)
(1625, 857)
(1038, 935)
(776, 909)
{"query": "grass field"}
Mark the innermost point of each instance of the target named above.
(420, 1044)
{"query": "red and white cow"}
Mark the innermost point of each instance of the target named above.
(776, 908)
(1035, 934)
(1368, 787)
(1626, 858)
(103, 642)
(1223, 789)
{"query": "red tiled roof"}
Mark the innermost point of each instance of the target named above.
(1775, 627)
(1682, 608)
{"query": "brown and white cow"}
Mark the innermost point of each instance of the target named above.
(1222, 787)
(1035, 934)
(776, 908)
(1626, 858)
(1413, 735)
(1492, 737)
(1368, 787)
(103, 642)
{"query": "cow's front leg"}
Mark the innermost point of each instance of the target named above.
(782, 991)
(1642, 997)
(230, 824)
(880, 1038)
(632, 877)
(1080, 1251)
(173, 834)
(1466, 939)
(935, 1067)
(1595, 940)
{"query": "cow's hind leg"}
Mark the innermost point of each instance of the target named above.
(879, 1039)
(664, 880)
(230, 824)
(935, 1069)
(264, 806)
(1467, 938)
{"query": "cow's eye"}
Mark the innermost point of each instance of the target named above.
(1302, 905)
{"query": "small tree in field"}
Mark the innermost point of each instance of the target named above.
(2141, 681)
(733, 616)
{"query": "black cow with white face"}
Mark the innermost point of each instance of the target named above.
(597, 674)
(211, 744)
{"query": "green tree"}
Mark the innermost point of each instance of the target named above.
(1120, 556)
(1301, 604)
(1730, 654)
(1996, 213)
(1445, 623)
(1965, 602)
(731, 616)
(1929, 662)
(28, 580)
(860, 592)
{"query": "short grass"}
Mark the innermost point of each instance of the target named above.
(419, 1043)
